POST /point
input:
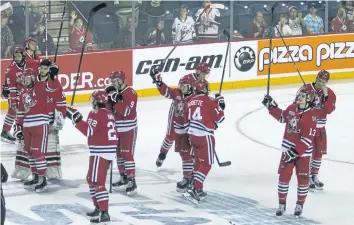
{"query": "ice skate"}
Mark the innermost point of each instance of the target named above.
(42, 185)
(31, 184)
(183, 185)
(281, 210)
(95, 213)
(201, 194)
(122, 183)
(192, 196)
(298, 210)
(102, 217)
(7, 137)
(131, 188)
(315, 183)
(160, 159)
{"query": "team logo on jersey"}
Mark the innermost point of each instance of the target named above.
(245, 59)
(179, 109)
(292, 125)
(317, 102)
(28, 102)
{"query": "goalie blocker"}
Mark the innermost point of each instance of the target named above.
(56, 108)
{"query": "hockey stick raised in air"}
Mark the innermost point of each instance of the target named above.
(270, 43)
(227, 34)
(287, 49)
(93, 11)
(60, 29)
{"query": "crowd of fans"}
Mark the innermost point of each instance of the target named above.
(159, 22)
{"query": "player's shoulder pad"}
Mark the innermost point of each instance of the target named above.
(133, 91)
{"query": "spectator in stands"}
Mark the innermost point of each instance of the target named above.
(183, 30)
(207, 22)
(124, 11)
(77, 34)
(40, 36)
(283, 27)
(7, 40)
(341, 23)
(349, 8)
(314, 23)
(155, 10)
(296, 22)
(35, 17)
(155, 36)
(258, 27)
(125, 37)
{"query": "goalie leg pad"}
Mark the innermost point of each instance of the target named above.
(22, 166)
(53, 156)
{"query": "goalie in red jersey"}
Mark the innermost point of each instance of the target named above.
(179, 97)
(297, 145)
(324, 104)
(204, 113)
(202, 71)
(102, 139)
(123, 100)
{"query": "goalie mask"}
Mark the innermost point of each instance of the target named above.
(305, 97)
(28, 77)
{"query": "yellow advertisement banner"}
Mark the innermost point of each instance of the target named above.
(311, 53)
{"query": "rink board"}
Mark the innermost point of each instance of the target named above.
(246, 65)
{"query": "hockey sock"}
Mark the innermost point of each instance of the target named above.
(33, 166)
(130, 168)
(200, 175)
(302, 189)
(102, 198)
(187, 164)
(283, 187)
(9, 121)
(93, 194)
(166, 145)
(315, 165)
(41, 162)
(120, 164)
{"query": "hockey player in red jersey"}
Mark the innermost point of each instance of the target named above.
(325, 104)
(56, 108)
(12, 90)
(57, 113)
(30, 46)
(102, 142)
(297, 145)
(202, 72)
(204, 113)
(179, 97)
(124, 102)
(32, 125)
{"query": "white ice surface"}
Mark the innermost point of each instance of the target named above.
(245, 192)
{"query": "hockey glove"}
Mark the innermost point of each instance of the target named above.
(110, 89)
(53, 71)
(269, 102)
(156, 77)
(115, 96)
(290, 155)
(221, 101)
(5, 90)
(74, 115)
(18, 132)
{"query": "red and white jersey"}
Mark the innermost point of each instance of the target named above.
(32, 106)
(203, 113)
(34, 58)
(125, 111)
(172, 113)
(101, 133)
(12, 74)
(77, 39)
(322, 108)
(178, 105)
(300, 128)
(56, 99)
